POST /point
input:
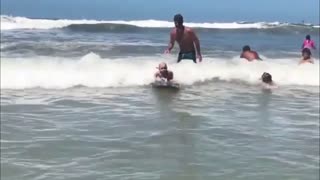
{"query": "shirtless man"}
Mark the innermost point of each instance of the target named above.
(187, 40)
(248, 54)
(163, 74)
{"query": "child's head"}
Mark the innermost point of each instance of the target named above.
(306, 53)
(266, 77)
(163, 67)
(308, 37)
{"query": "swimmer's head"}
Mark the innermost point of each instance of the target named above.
(178, 20)
(266, 77)
(308, 37)
(306, 53)
(246, 48)
(163, 67)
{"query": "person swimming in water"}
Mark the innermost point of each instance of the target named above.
(187, 40)
(248, 54)
(163, 74)
(267, 82)
(308, 43)
(306, 56)
(267, 78)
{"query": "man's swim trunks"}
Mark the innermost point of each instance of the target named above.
(187, 55)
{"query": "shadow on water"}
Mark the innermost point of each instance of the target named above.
(188, 131)
(264, 116)
(164, 97)
(185, 130)
(264, 104)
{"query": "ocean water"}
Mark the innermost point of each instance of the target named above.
(76, 102)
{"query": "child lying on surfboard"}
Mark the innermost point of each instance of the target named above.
(163, 74)
(164, 78)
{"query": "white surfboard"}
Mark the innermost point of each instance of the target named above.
(162, 84)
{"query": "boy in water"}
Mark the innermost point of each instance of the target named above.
(306, 56)
(267, 81)
(308, 43)
(248, 54)
(163, 74)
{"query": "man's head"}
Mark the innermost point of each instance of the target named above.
(178, 20)
(163, 67)
(266, 77)
(306, 53)
(246, 48)
(308, 37)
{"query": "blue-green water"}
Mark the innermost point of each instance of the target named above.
(76, 103)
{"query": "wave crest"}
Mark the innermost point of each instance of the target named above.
(93, 71)
(10, 23)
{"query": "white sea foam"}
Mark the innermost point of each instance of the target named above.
(93, 71)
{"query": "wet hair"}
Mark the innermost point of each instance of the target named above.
(178, 19)
(266, 77)
(308, 37)
(307, 51)
(246, 48)
(162, 64)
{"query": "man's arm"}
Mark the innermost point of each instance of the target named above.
(196, 42)
(258, 57)
(171, 43)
